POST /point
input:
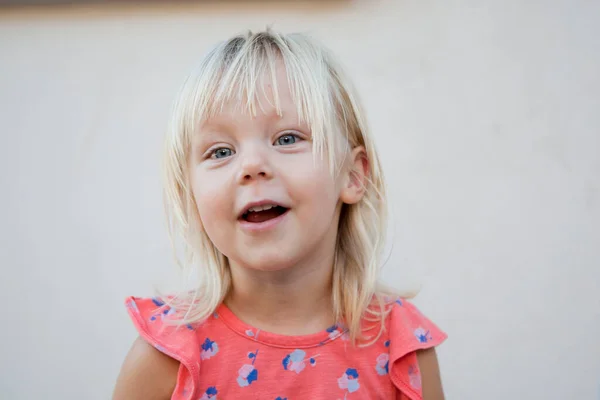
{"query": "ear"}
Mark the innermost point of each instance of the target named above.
(355, 177)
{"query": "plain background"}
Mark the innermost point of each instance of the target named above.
(487, 117)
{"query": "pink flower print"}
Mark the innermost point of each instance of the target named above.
(382, 366)
(165, 312)
(333, 332)
(414, 377)
(349, 381)
(294, 361)
(248, 374)
(209, 349)
(210, 394)
(338, 330)
(422, 335)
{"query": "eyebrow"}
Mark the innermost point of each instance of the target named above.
(212, 128)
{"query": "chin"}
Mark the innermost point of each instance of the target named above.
(268, 261)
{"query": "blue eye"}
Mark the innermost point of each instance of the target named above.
(286, 140)
(221, 152)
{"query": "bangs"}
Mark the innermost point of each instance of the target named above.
(240, 70)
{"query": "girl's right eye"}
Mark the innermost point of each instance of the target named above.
(221, 152)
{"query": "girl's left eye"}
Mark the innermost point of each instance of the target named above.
(286, 140)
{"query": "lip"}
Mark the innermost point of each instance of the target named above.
(260, 203)
(256, 227)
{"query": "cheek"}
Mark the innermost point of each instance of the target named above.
(315, 185)
(212, 199)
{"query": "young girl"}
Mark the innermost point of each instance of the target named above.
(275, 187)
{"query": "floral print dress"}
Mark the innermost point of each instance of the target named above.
(223, 358)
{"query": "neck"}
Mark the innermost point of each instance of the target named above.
(294, 301)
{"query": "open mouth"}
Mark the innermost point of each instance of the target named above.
(263, 213)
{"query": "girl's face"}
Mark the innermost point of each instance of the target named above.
(265, 202)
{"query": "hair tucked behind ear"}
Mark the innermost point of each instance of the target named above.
(326, 101)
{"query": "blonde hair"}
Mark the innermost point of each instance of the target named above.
(327, 102)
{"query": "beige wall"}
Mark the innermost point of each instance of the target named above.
(487, 117)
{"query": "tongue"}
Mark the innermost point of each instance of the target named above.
(265, 215)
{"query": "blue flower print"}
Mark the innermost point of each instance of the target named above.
(338, 330)
(209, 349)
(422, 335)
(349, 381)
(211, 393)
(281, 398)
(382, 365)
(248, 374)
(295, 361)
(383, 360)
(399, 302)
(158, 302)
(166, 311)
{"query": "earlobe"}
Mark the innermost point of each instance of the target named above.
(356, 178)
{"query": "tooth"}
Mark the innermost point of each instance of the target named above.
(261, 208)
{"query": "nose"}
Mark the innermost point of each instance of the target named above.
(255, 165)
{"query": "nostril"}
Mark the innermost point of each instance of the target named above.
(250, 176)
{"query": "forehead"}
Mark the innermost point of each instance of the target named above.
(269, 99)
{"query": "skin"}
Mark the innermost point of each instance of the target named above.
(237, 159)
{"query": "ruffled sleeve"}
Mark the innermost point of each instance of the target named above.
(409, 331)
(150, 315)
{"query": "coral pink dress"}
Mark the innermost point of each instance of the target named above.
(223, 358)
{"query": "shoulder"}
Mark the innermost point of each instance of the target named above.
(146, 374)
(159, 323)
(413, 338)
(411, 329)
(167, 348)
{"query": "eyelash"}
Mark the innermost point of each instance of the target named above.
(291, 134)
(212, 153)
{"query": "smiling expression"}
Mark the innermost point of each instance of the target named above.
(265, 201)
